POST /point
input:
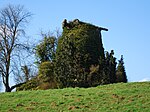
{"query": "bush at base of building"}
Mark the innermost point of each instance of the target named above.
(44, 80)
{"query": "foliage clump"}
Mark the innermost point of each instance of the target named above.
(46, 76)
(45, 52)
(44, 80)
(76, 59)
(30, 85)
(78, 56)
(120, 72)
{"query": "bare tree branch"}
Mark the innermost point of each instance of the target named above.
(12, 23)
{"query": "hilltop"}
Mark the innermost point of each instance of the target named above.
(121, 97)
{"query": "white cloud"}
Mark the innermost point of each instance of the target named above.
(145, 80)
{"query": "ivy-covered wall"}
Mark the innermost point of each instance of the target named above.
(78, 49)
(79, 61)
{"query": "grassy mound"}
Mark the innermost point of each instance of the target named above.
(122, 97)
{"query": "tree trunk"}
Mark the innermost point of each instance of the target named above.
(7, 88)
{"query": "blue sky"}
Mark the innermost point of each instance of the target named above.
(128, 22)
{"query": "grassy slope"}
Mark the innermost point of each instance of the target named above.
(129, 97)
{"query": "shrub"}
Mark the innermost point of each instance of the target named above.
(46, 76)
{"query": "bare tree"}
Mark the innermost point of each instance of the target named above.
(12, 24)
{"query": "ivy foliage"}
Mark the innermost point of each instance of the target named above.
(78, 49)
(77, 59)
(44, 80)
(46, 76)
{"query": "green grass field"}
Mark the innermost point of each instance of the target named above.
(122, 97)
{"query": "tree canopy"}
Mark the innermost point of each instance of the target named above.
(45, 50)
(120, 72)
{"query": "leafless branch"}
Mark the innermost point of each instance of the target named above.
(12, 23)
